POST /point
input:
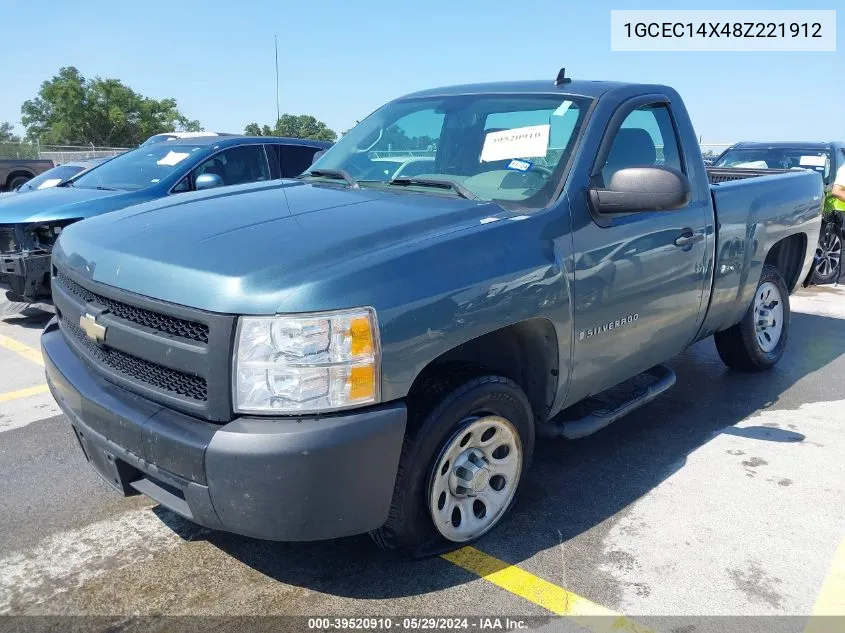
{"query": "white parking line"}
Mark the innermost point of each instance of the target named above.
(68, 560)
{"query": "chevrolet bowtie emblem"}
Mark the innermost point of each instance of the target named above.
(92, 329)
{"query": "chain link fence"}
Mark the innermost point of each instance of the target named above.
(59, 154)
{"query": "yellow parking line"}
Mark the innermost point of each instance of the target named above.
(19, 348)
(831, 598)
(541, 592)
(23, 393)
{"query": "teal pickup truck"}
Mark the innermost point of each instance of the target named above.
(358, 351)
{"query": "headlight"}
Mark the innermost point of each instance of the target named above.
(306, 363)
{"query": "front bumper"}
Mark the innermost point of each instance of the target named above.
(27, 275)
(286, 479)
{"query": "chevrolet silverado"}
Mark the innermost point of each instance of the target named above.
(353, 351)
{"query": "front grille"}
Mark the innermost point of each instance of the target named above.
(176, 382)
(8, 242)
(154, 320)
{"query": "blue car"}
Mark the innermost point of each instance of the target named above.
(29, 225)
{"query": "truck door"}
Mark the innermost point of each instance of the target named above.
(639, 278)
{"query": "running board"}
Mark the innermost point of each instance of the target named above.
(596, 412)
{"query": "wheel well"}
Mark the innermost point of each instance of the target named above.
(787, 255)
(15, 174)
(526, 352)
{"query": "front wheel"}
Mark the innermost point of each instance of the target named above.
(758, 341)
(461, 467)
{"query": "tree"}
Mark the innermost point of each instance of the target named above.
(253, 129)
(7, 133)
(294, 126)
(73, 110)
(396, 139)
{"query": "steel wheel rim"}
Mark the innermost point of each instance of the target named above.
(768, 316)
(474, 478)
(828, 254)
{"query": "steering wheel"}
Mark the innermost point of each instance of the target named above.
(364, 150)
(546, 172)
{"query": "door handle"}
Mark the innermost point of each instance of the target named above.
(688, 238)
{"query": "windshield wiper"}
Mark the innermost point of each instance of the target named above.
(101, 188)
(339, 174)
(440, 183)
(66, 183)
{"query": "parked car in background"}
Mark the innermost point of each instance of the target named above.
(58, 175)
(356, 351)
(14, 171)
(30, 224)
(825, 158)
(176, 136)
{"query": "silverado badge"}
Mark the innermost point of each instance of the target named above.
(92, 329)
(604, 327)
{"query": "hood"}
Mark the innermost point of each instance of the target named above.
(245, 250)
(65, 203)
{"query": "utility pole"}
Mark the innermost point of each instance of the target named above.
(278, 111)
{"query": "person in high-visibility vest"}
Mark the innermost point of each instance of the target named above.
(838, 190)
(836, 203)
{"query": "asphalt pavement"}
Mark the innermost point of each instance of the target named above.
(725, 496)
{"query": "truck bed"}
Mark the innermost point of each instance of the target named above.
(727, 174)
(754, 209)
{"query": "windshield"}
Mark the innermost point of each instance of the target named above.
(51, 177)
(777, 158)
(139, 168)
(490, 147)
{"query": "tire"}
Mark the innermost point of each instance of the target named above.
(471, 408)
(744, 347)
(828, 257)
(17, 181)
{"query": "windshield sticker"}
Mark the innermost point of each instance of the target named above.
(51, 182)
(172, 158)
(562, 108)
(516, 143)
(812, 161)
(520, 165)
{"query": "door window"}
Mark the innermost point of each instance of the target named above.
(646, 137)
(295, 159)
(237, 165)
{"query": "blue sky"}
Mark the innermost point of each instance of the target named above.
(340, 60)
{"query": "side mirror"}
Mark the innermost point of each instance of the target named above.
(642, 189)
(208, 181)
(317, 155)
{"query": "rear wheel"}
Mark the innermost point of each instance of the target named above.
(461, 467)
(758, 342)
(828, 254)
